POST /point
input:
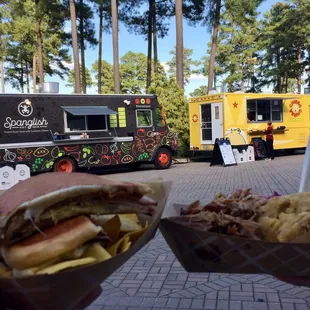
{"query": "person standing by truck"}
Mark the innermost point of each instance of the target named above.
(269, 141)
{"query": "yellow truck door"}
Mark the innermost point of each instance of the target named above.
(211, 124)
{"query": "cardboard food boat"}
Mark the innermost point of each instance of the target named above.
(201, 251)
(65, 290)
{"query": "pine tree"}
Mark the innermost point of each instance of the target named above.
(284, 45)
(190, 65)
(106, 79)
(71, 78)
(21, 40)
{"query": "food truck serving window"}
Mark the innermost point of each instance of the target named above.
(144, 118)
(264, 110)
(79, 118)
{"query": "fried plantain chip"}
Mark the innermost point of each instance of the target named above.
(112, 227)
(135, 235)
(113, 249)
(34, 270)
(125, 245)
(129, 222)
(96, 251)
(130, 238)
(67, 265)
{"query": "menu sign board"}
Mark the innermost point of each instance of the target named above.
(223, 153)
(259, 148)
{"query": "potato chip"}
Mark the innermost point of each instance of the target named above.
(67, 265)
(112, 228)
(96, 251)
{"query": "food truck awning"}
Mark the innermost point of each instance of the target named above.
(88, 110)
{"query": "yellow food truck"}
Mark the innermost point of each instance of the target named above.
(243, 116)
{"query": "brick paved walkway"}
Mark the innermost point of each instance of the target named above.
(154, 280)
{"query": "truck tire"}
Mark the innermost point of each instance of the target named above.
(65, 164)
(163, 158)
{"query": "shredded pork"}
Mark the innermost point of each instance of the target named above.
(231, 215)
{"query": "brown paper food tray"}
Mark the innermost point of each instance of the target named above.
(65, 290)
(200, 251)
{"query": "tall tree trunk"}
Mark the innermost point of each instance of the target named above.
(82, 45)
(299, 72)
(77, 84)
(155, 38)
(286, 83)
(22, 77)
(279, 80)
(34, 73)
(39, 41)
(27, 78)
(149, 47)
(214, 44)
(308, 70)
(253, 79)
(2, 76)
(117, 83)
(242, 79)
(100, 47)
(179, 44)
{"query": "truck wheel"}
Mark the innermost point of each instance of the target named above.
(65, 164)
(163, 159)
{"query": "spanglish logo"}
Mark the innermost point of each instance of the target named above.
(25, 124)
(25, 109)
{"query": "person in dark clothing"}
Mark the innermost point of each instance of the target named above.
(269, 141)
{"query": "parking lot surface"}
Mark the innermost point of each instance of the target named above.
(154, 280)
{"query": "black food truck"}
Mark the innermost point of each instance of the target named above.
(54, 132)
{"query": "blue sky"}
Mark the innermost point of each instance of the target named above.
(196, 38)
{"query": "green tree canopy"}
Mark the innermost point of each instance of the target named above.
(107, 82)
(284, 44)
(190, 65)
(171, 97)
(200, 91)
(71, 78)
(18, 25)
